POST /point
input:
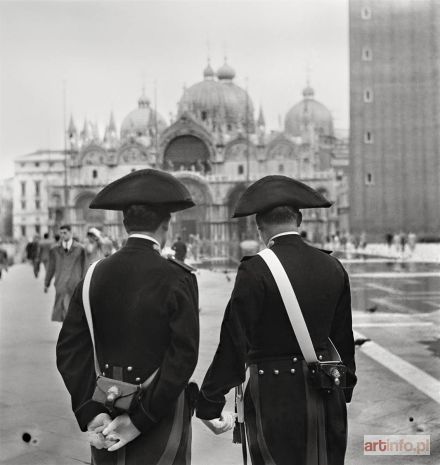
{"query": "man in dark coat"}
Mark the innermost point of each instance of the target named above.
(180, 249)
(67, 265)
(286, 421)
(145, 314)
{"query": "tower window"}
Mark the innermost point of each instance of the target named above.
(23, 188)
(369, 180)
(23, 230)
(368, 95)
(37, 204)
(95, 174)
(23, 204)
(240, 169)
(37, 229)
(368, 137)
(204, 115)
(37, 188)
(366, 12)
(367, 54)
(37, 164)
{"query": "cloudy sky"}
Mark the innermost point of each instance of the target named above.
(106, 51)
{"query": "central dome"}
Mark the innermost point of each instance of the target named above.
(220, 102)
(308, 112)
(142, 121)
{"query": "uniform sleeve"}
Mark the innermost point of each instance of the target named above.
(228, 369)
(180, 358)
(342, 336)
(75, 361)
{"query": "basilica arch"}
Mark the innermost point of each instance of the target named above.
(83, 214)
(193, 221)
(187, 152)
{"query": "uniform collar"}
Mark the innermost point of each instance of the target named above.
(156, 245)
(271, 241)
(67, 245)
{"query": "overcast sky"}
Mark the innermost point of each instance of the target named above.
(106, 51)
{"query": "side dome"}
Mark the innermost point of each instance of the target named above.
(308, 112)
(142, 121)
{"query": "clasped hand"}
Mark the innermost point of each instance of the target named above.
(105, 433)
(221, 425)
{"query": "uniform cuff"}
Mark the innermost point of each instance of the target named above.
(87, 412)
(207, 409)
(140, 418)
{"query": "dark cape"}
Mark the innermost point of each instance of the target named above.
(145, 314)
(256, 333)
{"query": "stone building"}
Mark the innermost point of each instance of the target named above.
(6, 196)
(215, 146)
(394, 117)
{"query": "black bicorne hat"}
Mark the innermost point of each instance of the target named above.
(144, 187)
(275, 191)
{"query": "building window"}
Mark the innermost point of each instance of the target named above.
(37, 164)
(204, 115)
(21, 165)
(240, 169)
(367, 54)
(50, 164)
(366, 12)
(369, 180)
(368, 95)
(23, 188)
(281, 168)
(37, 204)
(37, 229)
(95, 174)
(23, 204)
(23, 230)
(37, 188)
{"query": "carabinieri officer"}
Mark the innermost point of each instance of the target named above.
(145, 315)
(286, 422)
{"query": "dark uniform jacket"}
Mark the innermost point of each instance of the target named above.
(256, 332)
(145, 315)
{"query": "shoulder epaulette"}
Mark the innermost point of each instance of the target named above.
(247, 257)
(183, 265)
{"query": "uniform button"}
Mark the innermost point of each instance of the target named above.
(261, 372)
(320, 357)
(276, 372)
(292, 371)
(103, 373)
(137, 380)
(129, 368)
(106, 365)
(295, 359)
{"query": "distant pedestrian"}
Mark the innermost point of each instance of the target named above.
(93, 246)
(412, 242)
(33, 254)
(108, 247)
(402, 239)
(45, 245)
(3, 260)
(180, 249)
(389, 240)
(67, 264)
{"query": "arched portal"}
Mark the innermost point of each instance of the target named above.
(240, 228)
(85, 215)
(187, 152)
(193, 221)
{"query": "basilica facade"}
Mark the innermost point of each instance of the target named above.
(215, 146)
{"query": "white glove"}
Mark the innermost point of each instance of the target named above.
(94, 431)
(122, 431)
(222, 424)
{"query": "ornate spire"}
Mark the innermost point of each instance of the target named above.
(71, 130)
(112, 124)
(208, 72)
(143, 101)
(261, 122)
